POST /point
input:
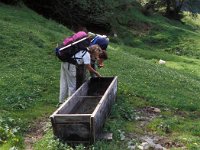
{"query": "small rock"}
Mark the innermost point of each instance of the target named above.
(159, 147)
(145, 145)
(156, 110)
(141, 118)
(131, 147)
(162, 62)
(150, 141)
(140, 147)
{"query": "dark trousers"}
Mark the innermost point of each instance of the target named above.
(94, 67)
(80, 75)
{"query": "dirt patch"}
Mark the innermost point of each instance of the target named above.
(151, 142)
(36, 132)
(146, 114)
(148, 140)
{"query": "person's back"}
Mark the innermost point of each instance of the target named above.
(83, 60)
(82, 57)
(102, 41)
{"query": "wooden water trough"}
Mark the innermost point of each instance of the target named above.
(81, 117)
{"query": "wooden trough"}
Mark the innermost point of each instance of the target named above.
(81, 118)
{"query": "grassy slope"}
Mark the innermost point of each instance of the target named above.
(30, 76)
(29, 80)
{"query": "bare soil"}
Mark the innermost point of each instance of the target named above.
(35, 132)
(145, 141)
(148, 140)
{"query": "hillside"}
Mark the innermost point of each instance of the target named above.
(159, 102)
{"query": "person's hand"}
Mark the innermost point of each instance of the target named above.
(101, 65)
(98, 75)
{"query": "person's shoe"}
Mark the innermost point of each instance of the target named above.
(59, 104)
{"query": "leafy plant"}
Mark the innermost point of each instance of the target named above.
(9, 131)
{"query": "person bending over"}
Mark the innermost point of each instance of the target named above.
(71, 78)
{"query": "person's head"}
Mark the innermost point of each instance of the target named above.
(102, 56)
(79, 27)
(91, 36)
(95, 51)
(102, 42)
(98, 54)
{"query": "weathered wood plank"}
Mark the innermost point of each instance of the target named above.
(73, 132)
(72, 118)
(74, 100)
(98, 86)
(88, 105)
(103, 108)
(70, 103)
(111, 89)
(72, 123)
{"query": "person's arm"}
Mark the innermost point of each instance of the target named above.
(89, 67)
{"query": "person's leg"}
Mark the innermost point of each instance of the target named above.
(63, 83)
(71, 78)
(94, 67)
(80, 75)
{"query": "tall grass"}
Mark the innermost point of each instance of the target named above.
(29, 80)
(29, 77)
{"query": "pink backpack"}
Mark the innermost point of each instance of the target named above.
(77, 36)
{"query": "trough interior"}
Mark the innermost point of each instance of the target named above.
(98, 86)
(87, 102)
(79, 128)
(87, 105)
(96, 89)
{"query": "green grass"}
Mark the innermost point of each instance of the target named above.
(29, 77)
(160, 85)
(29, 70)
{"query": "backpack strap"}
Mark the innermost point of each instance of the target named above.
(73, 43)
(94, 40)
(84, 52)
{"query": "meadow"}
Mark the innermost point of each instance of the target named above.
(30, 72)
